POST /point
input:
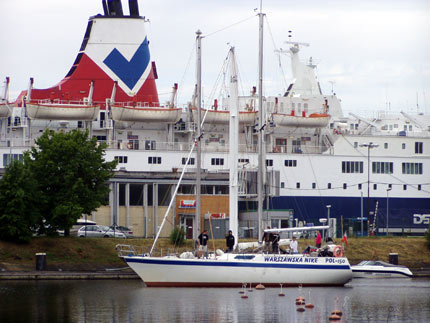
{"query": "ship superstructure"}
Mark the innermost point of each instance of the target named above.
(317, 160)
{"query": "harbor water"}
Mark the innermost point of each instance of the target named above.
(362, 300)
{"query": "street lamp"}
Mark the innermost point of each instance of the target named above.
(388, 189)
(369, 146)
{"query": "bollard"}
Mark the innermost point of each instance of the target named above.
(40, 261)
(393, 258)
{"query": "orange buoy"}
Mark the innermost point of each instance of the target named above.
(260, 286)
(309, 305)
(300, 298)
(241, 292)
(337, 312)
(300, 309)
(334, 317)
(300, 302)
(281, 294)
(244, 296)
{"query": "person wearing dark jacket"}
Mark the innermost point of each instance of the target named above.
(275, 242)
(229, 241)
(203, 243)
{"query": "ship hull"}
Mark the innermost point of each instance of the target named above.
(269, 270)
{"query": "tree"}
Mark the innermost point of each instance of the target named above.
(72, 176)
(18, 198)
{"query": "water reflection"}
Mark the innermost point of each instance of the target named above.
(392, 300)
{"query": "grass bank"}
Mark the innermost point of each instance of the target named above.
(97, 254)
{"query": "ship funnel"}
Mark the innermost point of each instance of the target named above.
(113, 8)
(134, 7)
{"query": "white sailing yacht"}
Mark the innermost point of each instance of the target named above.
(233, 269)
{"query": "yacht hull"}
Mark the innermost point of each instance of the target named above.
(226, 271)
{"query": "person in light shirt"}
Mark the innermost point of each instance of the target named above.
(294, 246)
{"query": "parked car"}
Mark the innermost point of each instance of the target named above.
(99, 231)
(126, 230)
(78, 224)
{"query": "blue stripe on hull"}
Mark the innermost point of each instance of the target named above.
(232, 264)
(312, 208)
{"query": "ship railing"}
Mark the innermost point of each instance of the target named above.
(209, 146)
(124, 250)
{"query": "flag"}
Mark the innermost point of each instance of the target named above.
(345, 238)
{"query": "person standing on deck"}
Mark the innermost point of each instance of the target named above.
(229, 241)
(318, 240)
(203, 243)
(294, 246)
(275, 242)
(267, 239)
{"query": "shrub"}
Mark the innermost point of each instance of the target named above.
(177, 236)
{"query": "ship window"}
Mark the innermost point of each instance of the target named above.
(290, 163)
(419, 187)
(386, 145)
(191, 162)
(344, 186)
(403, 146)
(154, 160)
(410, 127)
(375, 187)
(359, 186)
(8, 158)
(355, 144)
(412, 168)
(390, 186)
(405, 128)
(297, 185)
(314, 185)
(217, 161)
(329, 185)
(352, 167)
(282, 185)
(418, 147)
(269, 162)
(382, 167)
(405, 187)
(244, 257)
(150, 144)
(121, 159)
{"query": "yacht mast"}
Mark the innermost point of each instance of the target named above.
(197, 225)
(261, 123)
(233, 146)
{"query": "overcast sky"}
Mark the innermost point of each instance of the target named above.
(375, 54)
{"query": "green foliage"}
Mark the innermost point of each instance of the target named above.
(177, 237)
(62, 177)
(72, 176)
(19, 211)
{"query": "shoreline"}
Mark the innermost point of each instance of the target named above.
(111, 275)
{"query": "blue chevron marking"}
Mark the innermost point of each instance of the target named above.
(129, 71)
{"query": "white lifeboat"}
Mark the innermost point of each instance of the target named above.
(223, 116)
(314, 120)
(56, 110)
(5, 111)
(145, 114)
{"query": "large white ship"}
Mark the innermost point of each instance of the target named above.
(319, 161)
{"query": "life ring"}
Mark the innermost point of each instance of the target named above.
(338, 251)
(129, 145)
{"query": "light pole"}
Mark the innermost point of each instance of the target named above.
(328, 219)
(388, 189)
(369, 146)
(361, 214)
